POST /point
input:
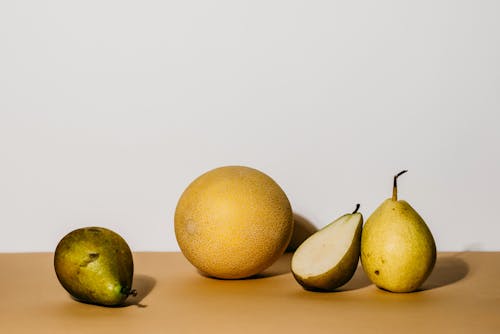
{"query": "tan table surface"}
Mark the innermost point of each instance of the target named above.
(461, 296)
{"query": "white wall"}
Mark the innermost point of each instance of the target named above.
(108, 109)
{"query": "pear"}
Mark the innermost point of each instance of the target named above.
(328, 258)
(398, 251)
(95, 266)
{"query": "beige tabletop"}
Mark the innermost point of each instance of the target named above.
(461, 296)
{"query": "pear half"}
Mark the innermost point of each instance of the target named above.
(329, 257)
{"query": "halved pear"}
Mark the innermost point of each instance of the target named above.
(329, 257)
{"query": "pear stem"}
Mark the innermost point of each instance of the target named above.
(395, 185)
(356, 210)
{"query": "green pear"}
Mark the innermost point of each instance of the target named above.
(398, 251)
(328, 258)
(95, 266)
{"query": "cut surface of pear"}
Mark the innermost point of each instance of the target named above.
(329, 257)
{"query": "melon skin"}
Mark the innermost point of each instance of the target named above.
(233, 222)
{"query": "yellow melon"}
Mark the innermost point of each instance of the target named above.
(233, 222)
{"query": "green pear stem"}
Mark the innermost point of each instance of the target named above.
(395, 185)
(356, 210)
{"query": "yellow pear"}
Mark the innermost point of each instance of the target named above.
(328, 258)
(398, 251)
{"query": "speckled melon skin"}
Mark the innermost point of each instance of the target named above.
(233, 222)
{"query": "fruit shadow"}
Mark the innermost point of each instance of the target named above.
(303, 228)
(143, 285)
(279, 267)
(358, 281)
(447, 270)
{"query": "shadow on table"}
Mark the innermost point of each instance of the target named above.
(302, 229)
(280, 267)
(448, 270)
(143, 284)
(358, 281)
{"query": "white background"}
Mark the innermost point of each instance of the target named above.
(108, 109)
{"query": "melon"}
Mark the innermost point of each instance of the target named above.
(233, 222)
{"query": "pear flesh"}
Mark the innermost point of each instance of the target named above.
(329, 257)
(95, 266)
(398, 251)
